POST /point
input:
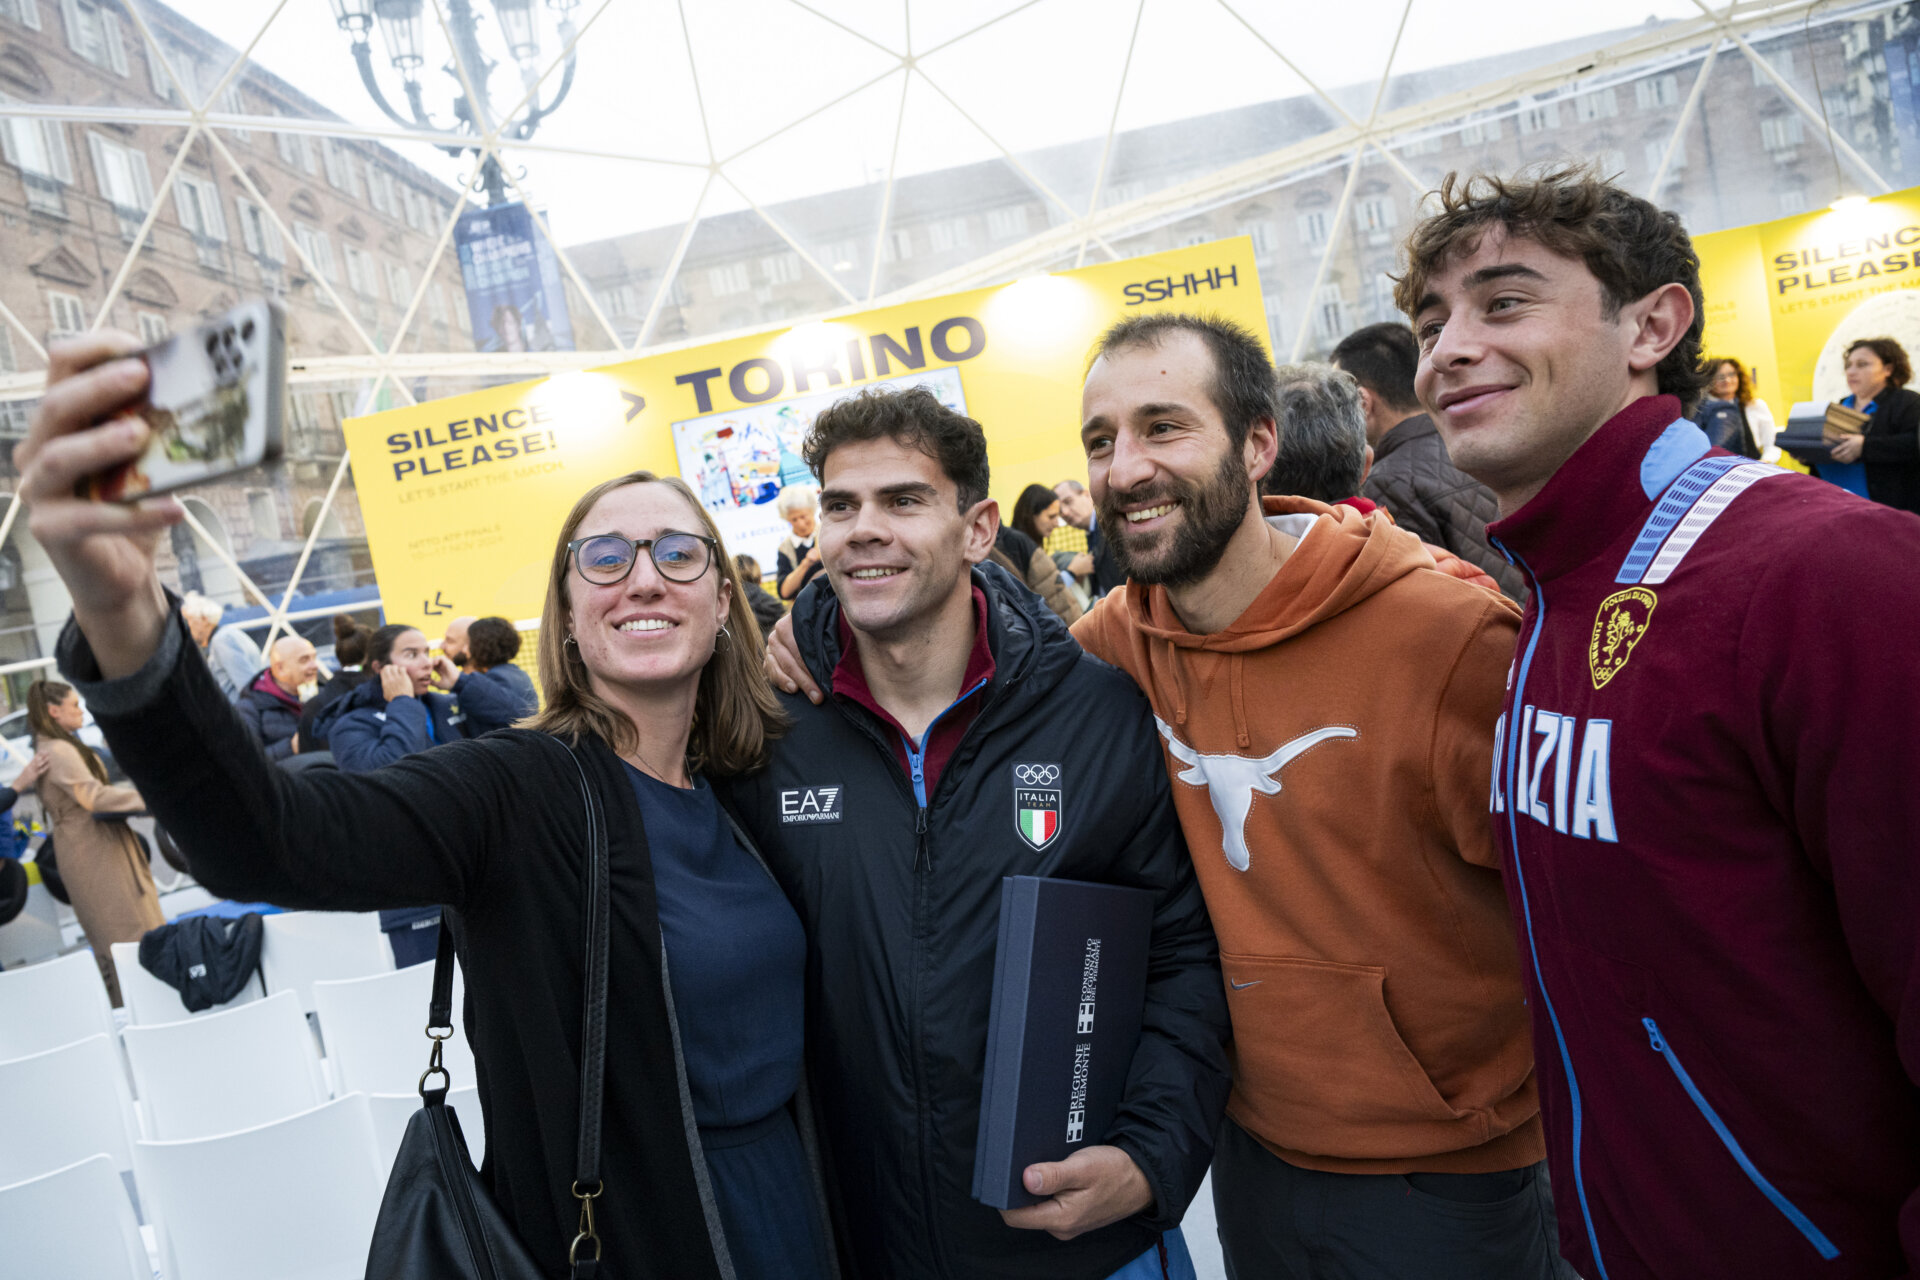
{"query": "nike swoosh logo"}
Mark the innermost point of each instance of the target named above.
(1242, 986)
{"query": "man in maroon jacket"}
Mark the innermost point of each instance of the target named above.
(1707, 784)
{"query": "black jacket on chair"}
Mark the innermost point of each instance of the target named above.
(1891, 450)
(902, 904)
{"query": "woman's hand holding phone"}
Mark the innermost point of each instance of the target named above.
(103, 551)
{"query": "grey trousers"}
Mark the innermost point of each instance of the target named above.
(1279, 1222)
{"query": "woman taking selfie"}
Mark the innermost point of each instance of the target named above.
(652, 670)
(101, 863)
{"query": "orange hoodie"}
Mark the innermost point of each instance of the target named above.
(1332, 751)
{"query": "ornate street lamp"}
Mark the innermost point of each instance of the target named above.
(401, 24)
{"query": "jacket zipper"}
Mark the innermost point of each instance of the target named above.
(1514, 744)
(1803, 1224)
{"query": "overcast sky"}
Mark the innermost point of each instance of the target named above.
(1046, 74)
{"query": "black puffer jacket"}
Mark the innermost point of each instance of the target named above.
(1437, 502)
(902, 905)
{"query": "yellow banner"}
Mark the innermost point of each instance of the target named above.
(1788, 296)
(463, 497)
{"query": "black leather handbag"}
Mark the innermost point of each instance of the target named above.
(437, 1220)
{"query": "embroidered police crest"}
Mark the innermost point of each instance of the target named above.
(1036, 803)
(1623, 618)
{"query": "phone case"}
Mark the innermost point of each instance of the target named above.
(216, 401)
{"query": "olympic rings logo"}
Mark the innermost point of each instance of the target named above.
(1037, 775)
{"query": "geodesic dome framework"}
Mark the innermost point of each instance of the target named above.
(702, 169)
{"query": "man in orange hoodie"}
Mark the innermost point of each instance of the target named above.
(1327, 699)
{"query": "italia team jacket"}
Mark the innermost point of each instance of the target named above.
(1707, 790)
(898, 883)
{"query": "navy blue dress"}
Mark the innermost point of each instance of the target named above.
(736, 960)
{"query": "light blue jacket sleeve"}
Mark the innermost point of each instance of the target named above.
(235, 659)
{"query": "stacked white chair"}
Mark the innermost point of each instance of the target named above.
(243, 1067)
(303, 947)
(150, 1001)
(72, 1222)
(44, 1006)
(61, 1106)
(292, 1200)
(375, 1029)
(393, 1111)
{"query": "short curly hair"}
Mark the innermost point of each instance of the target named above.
(1631, 246)
(492, 642)
(1891, 353)
(912, 419)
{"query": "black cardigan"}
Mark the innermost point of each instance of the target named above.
(494, 828)
(1891, 449)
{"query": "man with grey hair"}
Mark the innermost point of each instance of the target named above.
(1324, 453)
(230, 652)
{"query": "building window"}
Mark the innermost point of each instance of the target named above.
(1264, 234)
(948, 234)
(122, 175)
(153, 327)
(232, 104)
(1540, 118)
(298, 152)
(1657, 91)
(726, 281)
(1793, 201)
(1480, 133)
(1612, 162)
(1374, 214)
(38, 148)
(1006, 224)
(24, 12)
(265, 513)
(93, 32)
(1601, 104)
(437, 304)
(414, 206)
(1329, 313)
(361, 277)
(380, 192)
(339, 164)
(317, 248)
(1781, 60)
(7, 362)
(68, 316)
(1313, 228)
(1657, 150)
(198, 201)
(898, 244)
(1781, 135)
(1422, 146)
(257, 231)
(399, 284)
(781, 268)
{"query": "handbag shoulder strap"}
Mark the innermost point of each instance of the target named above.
(586, 1186)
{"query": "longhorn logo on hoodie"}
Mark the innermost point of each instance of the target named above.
(1231, 780)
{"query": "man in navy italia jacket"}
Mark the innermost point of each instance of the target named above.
(888, 814)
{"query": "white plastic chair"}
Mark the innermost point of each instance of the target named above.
(64, 1105)
(304, 947)
(225, 1071)
(393, 1111)
(375, 1029)
(44, 1006)
(75, 1221)
(149, 1001)
(291, 1200)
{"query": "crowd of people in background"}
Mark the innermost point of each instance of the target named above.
(1533, 865)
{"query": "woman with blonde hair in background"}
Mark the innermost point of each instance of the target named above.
(102, 863)
(650, 663)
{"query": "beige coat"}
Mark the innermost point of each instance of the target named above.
(105, 872)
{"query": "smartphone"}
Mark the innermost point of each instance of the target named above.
(216, 400)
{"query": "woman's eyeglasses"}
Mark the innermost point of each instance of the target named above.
(608, 558)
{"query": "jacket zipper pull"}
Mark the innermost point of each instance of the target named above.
(1653, 1035)
(920, 857)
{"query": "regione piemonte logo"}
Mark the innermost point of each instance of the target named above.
(1036, 803)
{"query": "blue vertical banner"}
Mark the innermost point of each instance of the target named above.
(515, 295)
(1903, 93)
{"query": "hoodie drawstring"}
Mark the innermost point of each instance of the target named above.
(1236, 689)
